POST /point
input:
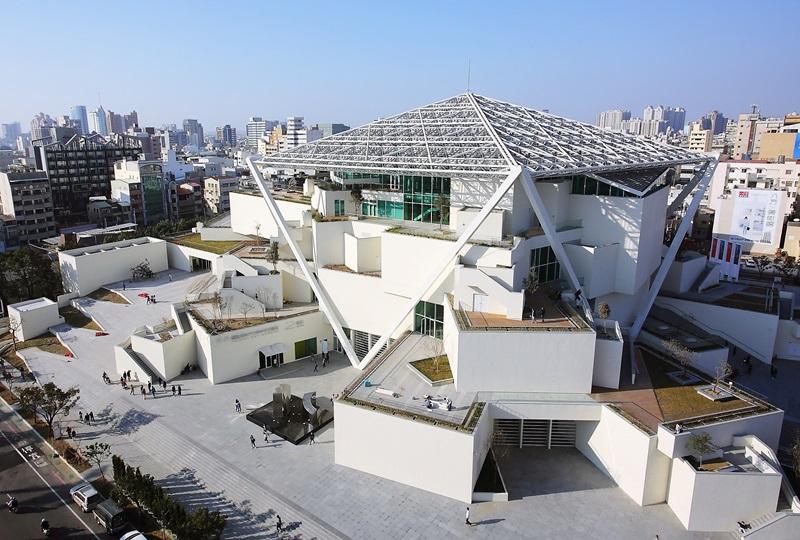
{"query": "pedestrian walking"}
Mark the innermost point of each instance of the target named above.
(91, 416)
(279, 523)
(123, 285)
(266, 435)
(80, 416)
(252, 441)
(467, 521)
(179, 390)
(311, 438)
(170, 277)
(153, 391)
(144, 394)
(164, 386)
(173, 390)
(238, 406)
(315, 364)
(133, 388)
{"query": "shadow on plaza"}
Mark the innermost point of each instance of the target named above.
(242, 522)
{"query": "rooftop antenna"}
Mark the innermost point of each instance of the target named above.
(754, 107)
(469, 70)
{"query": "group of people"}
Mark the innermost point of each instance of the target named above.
(151, 389)
(151, 298)
(87, 418)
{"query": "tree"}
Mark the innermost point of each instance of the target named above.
(796, 455)
(274, 256)
(358, 197)
(700, 444)
(97, 453)
(442, 206)
(30, 398)
(761, 262)
(786, 265)
(531, 282)
(603, 311)
(14, 325)
(679, 352)
(722, 372)
(245, 308)
(55, 402)
(203, 524)
(28, 273)
(437, 349)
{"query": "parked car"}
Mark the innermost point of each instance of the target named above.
(133, 535)
(749, 263)
(110, 516)
(85, 496)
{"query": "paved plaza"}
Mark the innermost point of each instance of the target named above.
(198, 448)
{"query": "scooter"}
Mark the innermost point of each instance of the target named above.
(45, 527)
(12, 503)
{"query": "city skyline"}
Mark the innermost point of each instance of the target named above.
(432, 45)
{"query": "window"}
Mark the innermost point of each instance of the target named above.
(545, 264)
(429, 319)
(338, 207)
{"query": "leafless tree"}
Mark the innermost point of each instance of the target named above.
(437, 350)
(245, 308)
(14, 325)
(679, 352)
(722, 372)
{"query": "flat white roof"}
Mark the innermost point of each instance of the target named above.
(32, 305)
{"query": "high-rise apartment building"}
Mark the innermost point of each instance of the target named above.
(674, 117)
(131, 120)
(699, 138)
(78, 113)
(40, 125)
(25, 197)
(715, 121)
(194, 132)
(10, 132)
(97, 121)
(81, 168)
(750, 128)
(613, 119)
(296, 134)
(114, 122)
(226, 135)
(254, 129)
(141, 185)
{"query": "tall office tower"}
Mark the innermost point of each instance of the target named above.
(97, 121)
(114, 122)
(254, 129)
(332, 129)
(716, 122)
(613, 119)
(674, 117)
(296, 134)
(227, 135)
(81, 168)
(10, 132)
(131, 120)
(40, 126)
(194, 132)
(78, 112)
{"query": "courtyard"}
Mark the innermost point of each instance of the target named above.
(198, 448)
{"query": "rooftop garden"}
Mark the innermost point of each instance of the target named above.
(435, 369)
(218, 247)
(75, 318)
(105, 295)
(679, 402)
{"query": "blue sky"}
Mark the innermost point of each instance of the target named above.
(351, 62)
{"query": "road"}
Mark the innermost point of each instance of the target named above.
(40, 484)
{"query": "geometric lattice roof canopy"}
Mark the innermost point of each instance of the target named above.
(472, 135)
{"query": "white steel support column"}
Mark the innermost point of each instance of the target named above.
(325, 303)
(552, 236)
(688, 189)
(451, 254)
(672, 251)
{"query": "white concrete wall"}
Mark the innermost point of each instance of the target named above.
(705, 360)
(362, 254)
(348, 291)
(607, 363)
(33, 318)
(323, 201)
(84, 270)
(295, 286)
(408, 261)
(436, 459)
(525, 361)
(757, 331)
(501, 300)
(490, 229)
(682, 274)
(329, 238)
(766, 427)
(715, 501)
(180, 258)
(233, 354)
(787, 341)
(268, 288)
(587, 259)
(249, 213)
(169, 357)
(627, 455)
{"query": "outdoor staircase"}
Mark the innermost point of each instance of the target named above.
(702, 277)
(756, 524)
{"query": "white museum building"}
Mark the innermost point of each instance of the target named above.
(490, 270)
